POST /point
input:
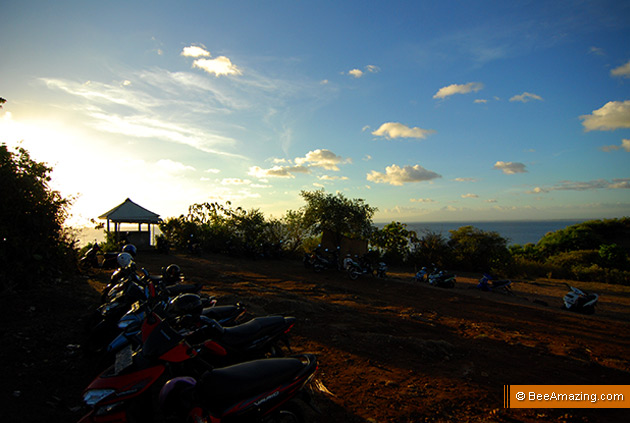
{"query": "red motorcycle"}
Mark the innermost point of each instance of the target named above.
(256, 391)
(128, 390)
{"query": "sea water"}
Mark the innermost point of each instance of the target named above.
(516, 232)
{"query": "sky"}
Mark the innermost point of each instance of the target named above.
(428, 111)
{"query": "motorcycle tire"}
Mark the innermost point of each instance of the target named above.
(354, 274)
(290, 412)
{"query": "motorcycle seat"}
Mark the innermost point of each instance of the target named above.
(231, 385)
(255, 328)
(220, 312)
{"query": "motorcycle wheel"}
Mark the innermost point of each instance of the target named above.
(289, 413)
(353, 274)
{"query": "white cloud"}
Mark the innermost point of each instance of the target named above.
(213, 170)
(510, 168)
(321, 158)
(611, 116)
(465, 179)
(357, 73)
(525, 97)
(469, 195)
(195, 51)
(171, 166)
(219, 66)
(458, 89)
(481, 101)
(392, 130)
(396, 175)
(422, 200)
(622, 71)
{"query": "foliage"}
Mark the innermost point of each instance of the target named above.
(336, 213)
(612, 256)
(478, 250)
(33, 243)
(589, 235)
(431, 249)
(393, 242)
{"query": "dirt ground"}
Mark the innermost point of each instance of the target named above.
(390, 350)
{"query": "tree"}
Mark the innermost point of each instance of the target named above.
(338, 214)
(33, 243)
(394, 241)
(478, 250)
(431, 248)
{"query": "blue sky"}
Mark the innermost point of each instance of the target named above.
(430, 111)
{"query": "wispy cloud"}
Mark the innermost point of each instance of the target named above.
(392, 130)
(510, 168)
(396, 175)
(620, 183)
(470, 195)
(625, 145)
(171, 166)
(458, 89)
(525, 97)
(277, 171)
(622, 71)
(613, 115)
(422, 200)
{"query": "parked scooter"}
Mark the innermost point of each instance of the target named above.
(255, 391)
(127, 391)
(96, 258)
(442, 279)
(580, 301)
(488, 283)
(326, 259)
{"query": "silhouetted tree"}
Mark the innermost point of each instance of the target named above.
(33, 244)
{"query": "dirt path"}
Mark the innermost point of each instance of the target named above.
(389, 350)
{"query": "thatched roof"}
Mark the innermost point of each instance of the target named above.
(130, 212)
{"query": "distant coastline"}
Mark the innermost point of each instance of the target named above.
(515, 231)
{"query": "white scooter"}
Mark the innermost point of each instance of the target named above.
(580, 301)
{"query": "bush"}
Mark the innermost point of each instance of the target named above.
(34, 246)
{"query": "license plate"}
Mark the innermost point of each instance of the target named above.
(123, 359)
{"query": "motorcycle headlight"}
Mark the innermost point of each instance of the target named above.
(94, 396)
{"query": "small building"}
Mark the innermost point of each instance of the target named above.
(129, 212)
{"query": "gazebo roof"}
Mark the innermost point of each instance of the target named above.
(130, 212)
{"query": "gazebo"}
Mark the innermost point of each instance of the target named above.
(130, 212)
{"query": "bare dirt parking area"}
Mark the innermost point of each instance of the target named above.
(390, 350)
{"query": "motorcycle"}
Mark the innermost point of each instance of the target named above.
(326, 260)
(127, 390)
(131, 323)
(91, 258)
(256, 391)
(442, 279)
(488, 283)
(102, 327)
(580, 301)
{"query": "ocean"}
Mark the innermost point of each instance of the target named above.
(516, 232)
